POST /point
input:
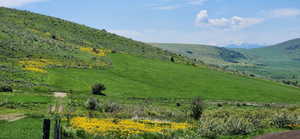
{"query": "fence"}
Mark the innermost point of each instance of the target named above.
(57, 129)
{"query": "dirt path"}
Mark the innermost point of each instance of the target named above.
(12, 117)
(282, 135)
(60, 94)
(59, 107)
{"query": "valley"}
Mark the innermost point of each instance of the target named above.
(278, 62)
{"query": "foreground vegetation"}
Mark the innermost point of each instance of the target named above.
(144, 119)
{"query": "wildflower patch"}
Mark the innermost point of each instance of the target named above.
(96, 52)
(124, 127)
(37, 65)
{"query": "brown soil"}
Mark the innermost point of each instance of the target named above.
(282, 135)
(60, 94)
(12, 117)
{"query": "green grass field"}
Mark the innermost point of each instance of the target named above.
(28, 128)
(137, 77)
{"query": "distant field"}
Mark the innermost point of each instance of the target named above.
(278, 62)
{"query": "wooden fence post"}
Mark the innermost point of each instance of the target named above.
(46, 129)
(57, 130)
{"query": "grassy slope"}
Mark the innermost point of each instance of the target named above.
(135, 77)
(281, 61)
(22, 33)
(205, 53)
(137, 70)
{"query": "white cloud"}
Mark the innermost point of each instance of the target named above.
(285, 12)
(16, 3)
(235, 22)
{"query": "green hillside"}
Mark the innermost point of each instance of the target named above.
(278, 62)
(43, 54)
(25, 36)
(205, 53)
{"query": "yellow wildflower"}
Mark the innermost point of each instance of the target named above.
(123, 127)
(96, 52)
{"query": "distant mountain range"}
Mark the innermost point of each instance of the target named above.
(244, 45)
(206, 53)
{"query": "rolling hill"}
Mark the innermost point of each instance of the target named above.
(244, 46)
(204, 53)
(279, 62)
(43, 54)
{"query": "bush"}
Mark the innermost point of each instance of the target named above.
(6, 89)
(112, 107)
(220, 105)
(210, 127)
(92, 104)
(214, 127)
(172, 59)
(238, 126)
(98, 88)
(197, 108)
(284, 120)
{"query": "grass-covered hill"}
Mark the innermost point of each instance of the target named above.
(279, 62)
(26, 36)
(44, 54)
(205, 53)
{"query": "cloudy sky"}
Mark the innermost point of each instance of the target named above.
(214, 22)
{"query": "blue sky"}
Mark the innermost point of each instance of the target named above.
(215, 22)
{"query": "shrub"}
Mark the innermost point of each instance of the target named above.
(214, 127)
(92, 104)
(112, 107)
(68, 132)
(252, 75)
(97, 89)
(6, 89)
(211, 128)
(220, 105)
(197, 108)
(284, 120)
(114, 51)
(238, 126)
(172, 59)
